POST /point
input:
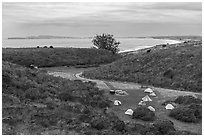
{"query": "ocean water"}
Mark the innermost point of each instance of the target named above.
(127, 44)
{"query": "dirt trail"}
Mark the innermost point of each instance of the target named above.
(128, 85)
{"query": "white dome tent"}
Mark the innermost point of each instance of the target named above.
(153, 94)
(169, 106)
(142, 103)
(117, 103)
(148, 90)
(129, 112)
(151, 108)
(146, 98)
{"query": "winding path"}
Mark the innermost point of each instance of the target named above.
(103, 84)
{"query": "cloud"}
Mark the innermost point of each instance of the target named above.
(93, 15)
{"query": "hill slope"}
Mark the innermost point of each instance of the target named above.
(51, 57)
(36, 103)
(175, 66)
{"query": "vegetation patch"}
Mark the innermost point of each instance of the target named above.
(163, 127)
(185, 100)
(188, 113)
(143, 113)
(177, 66)
(44, 104)
(53, 57)
(188, 108)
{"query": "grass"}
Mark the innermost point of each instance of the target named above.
(52, 57)
(174, 67)
(36, 103)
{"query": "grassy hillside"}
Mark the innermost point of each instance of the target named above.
(35, 103)
(177, 66)
(51, 57)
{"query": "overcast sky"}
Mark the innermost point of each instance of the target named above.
(88, 19)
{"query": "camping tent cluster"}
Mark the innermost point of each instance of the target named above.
(141, 103)
(147, 98)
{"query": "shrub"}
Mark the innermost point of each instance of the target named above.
(184, 100)
(99, 122)
(163, 127)
(66, 96)
(106, 41)
(118, 125)
(187, 113)
(143, 113)
(169, 73)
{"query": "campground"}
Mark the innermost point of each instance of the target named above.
(135, 93)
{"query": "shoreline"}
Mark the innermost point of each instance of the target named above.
(168, 41)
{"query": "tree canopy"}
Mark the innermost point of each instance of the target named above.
(106, 41)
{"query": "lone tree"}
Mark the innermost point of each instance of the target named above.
(106, 41)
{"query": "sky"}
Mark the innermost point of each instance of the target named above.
(89, 18)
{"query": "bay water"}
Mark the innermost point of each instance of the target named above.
(127, 44)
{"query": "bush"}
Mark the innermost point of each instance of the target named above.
(163, 127)
(106, 41)
(143, 113)
(99, 122)
(185, 100)
(190, 113)
(169, 73)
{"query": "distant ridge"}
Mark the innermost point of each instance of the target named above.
(48, 37)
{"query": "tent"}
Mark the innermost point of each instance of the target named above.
(118, 90)
(142, 103)
(148, 90)
(129, 112)
(151, 108)
(169, 106)
(146, 98)
(117, 103)
(153, 94)
(121, 92)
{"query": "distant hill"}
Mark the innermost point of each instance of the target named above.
(177, 66)
(47, 37)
